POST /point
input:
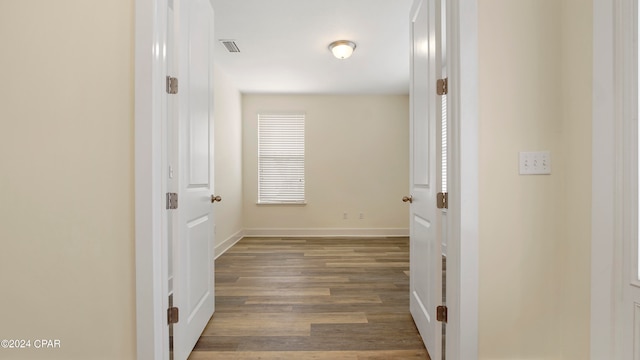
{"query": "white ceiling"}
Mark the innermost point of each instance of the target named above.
(284, 45)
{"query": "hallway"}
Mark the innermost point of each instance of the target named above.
(312, 298)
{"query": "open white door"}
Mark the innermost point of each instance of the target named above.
(193, 233)
(425, 175)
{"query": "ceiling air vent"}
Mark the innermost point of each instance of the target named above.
(230, 45)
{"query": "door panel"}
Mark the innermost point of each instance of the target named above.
(425, 223)
(199, 235)
(199, 64)
(422, 270)
(194, 236)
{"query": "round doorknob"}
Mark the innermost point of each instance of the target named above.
(408, 199)
(215, 198)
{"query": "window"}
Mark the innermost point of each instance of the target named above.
(281, 159)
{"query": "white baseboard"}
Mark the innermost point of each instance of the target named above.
(324, 232)
(228, 243)
(233, 239)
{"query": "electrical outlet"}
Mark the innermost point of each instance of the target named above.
(361, 216)
(535, 163)
(345, 216)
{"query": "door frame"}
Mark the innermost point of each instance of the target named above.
(612, 23)
(462, 215)
(462, 252)
(151, 267)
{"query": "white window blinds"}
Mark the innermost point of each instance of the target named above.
(444, 143)
(281, 159)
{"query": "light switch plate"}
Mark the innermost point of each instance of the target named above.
(535, 163)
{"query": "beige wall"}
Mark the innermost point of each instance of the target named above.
(228, 160)
(575, 255)
(66, 179)
(357, 156)
(534, 240)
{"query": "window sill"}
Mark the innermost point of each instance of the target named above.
(302, 203)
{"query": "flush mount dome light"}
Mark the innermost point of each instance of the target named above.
(342, 49)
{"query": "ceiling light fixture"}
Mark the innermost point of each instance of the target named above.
(342, 49)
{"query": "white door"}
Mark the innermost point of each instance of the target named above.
(425, 175)
(193, 235)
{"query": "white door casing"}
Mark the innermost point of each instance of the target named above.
(615, 295)
(462, 178)
(425, 168)
(152, 339)
(170, 131)
(193, 230)
(627, 147)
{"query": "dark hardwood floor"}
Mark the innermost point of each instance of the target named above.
(312, 298)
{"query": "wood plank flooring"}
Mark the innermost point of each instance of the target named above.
(312, 298)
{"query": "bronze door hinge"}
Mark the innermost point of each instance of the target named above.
(442, 86)
(441, 313)
(172, 85)
(443, 200)
(173, 315)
